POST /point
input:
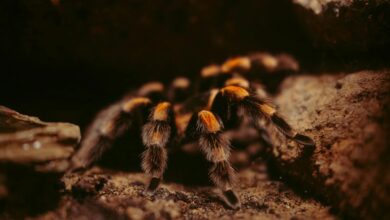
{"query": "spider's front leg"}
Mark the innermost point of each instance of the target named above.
(156, 135)
(208, 128)
(232, 100)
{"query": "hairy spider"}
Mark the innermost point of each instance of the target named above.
(223, 100)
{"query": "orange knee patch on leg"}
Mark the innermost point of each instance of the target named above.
(209, 120)
(269, 62)
(267, 109)
(237, 81)
(238, 62)
(181, 82)
(151, 87)
(235, 91)
(210, 71)
(135, 103)
(161, 111)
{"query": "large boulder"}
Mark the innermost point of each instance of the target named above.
(348, 117)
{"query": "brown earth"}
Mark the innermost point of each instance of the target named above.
(113, 194)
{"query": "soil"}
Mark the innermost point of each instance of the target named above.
(103, 194)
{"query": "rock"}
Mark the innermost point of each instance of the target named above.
(348, 117)
(30, 141)
(33, 155)
(347, 27)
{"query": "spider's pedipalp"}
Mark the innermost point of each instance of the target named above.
(216, 148)
(156, 134)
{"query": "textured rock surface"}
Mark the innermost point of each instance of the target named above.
(28, 140)
(33, 154)
(348, 116)
(347, 27)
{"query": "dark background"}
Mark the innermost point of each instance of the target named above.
(64, 60)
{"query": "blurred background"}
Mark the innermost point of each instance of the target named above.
(64, 60)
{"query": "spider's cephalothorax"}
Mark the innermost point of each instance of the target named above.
(223, 100)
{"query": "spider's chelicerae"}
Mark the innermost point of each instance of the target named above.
(226, 97)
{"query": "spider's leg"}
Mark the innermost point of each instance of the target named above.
(113, 121)
(212, 77)
(155, 91)
(179, 90)
(260, 61)
(270, 113)
(259, 91)
(156, 135)
(108, 125)
(208, 129)
(238, 80)
(233, 99)
(264, 136)
(254, 86)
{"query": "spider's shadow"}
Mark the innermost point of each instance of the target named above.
(188, 169)
(184, 168)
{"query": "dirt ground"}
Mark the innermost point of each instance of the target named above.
(103, 194)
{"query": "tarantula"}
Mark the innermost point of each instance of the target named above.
(222, 100)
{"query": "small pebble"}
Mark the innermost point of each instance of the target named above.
(37, 145)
